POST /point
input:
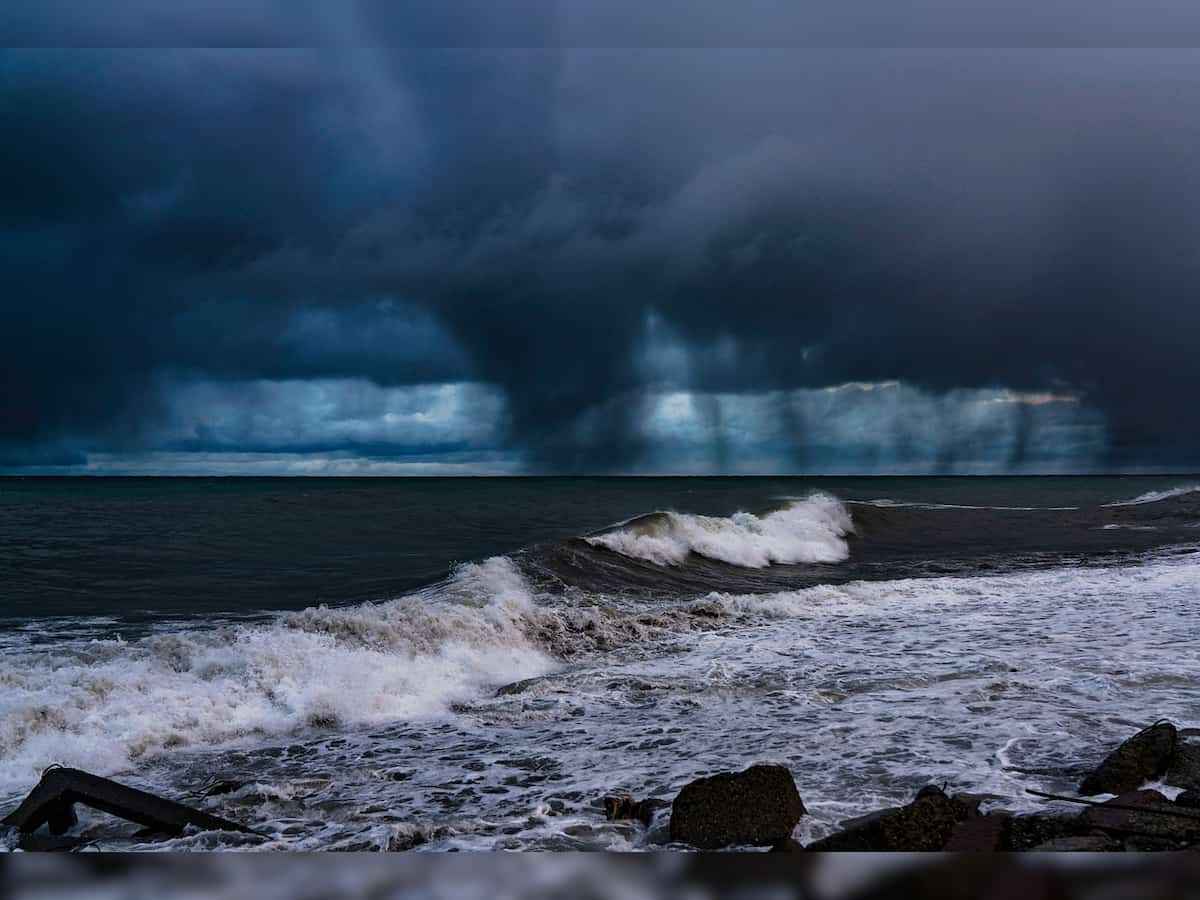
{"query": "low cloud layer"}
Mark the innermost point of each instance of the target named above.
(532, 260)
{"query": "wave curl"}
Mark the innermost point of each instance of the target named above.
(811, 530)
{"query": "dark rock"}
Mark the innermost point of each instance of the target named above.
(1143, 757)
(649, 808)
(1037, 830)
(757, 807)
(1141, 844)
(218, 788)
(620, 808)
(517, 687)
(925, 824)
(1155, 817)
(1188, 800)
(787, 845)
(968, 877)
(1145, 797)
(44, 843)
(979, 834)
(415, 837)
(1083, 843)
(1184, 770)
(617, 808)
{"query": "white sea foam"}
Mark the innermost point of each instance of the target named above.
(888, 503)
(866, 691)
(811, 530)
(1156, 496)
(101, 704)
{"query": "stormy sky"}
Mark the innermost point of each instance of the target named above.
(358, 259)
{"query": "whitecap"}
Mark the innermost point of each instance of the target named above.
(811, 530)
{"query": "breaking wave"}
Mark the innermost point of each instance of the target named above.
(100, 704)
(811, 530)
(105, 704)
(1156, 496)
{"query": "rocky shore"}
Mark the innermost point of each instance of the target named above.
(761, 807)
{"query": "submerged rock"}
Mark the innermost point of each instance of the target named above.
(925, 824)
(1143, 757)
(517, 687)
(217, 788)
(757, 807)
(617, 808)
(408, 836)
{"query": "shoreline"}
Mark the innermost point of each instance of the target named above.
(757, 808)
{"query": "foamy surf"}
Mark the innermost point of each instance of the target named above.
(491, 709)
(107, 705)
(866, 689)
(888, 503)
(101, 705)
(811, 530)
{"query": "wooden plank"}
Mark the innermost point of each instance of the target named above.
(51, 801)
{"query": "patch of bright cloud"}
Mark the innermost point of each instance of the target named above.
(276, 464)
(1034, 399)
(861, 386)
(331, 415)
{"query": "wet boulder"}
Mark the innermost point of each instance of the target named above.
(1184, 769)
(980, 834)
(1188, 800)
(1042, 831)
(787, 845)
(1144, 814)
(758, 807)
(1097, 842)
(1142, 758)
(963, 877)
(926, 823)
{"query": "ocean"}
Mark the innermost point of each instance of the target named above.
(474, 663)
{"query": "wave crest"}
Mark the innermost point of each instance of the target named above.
(811, 530)
(102, 704)
(1156, 496)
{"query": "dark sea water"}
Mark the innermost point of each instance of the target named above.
(475, 662)
(196, 546)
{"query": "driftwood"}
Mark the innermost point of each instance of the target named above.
(1127, 807)
(52, 803)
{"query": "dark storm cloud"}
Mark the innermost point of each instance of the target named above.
(613, 23)
(521, 218)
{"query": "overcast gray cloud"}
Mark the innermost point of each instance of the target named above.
(264, 252)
